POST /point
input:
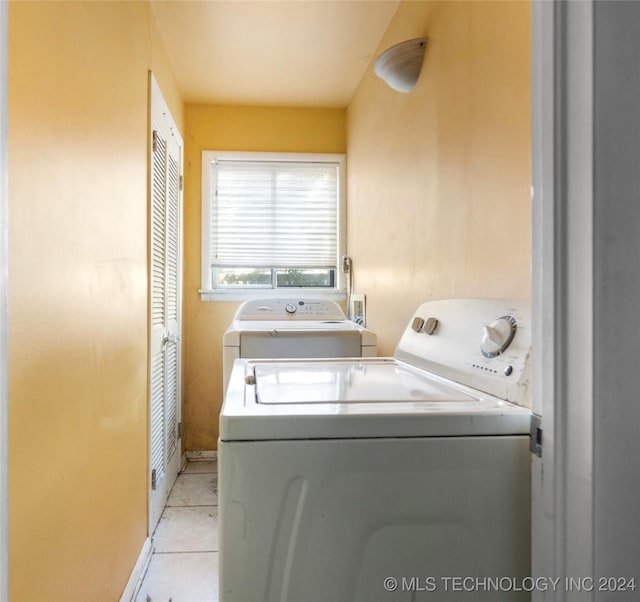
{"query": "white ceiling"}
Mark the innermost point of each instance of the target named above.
(306, 53)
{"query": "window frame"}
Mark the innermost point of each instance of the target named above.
(209, 292)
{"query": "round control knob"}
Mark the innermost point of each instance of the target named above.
(290, 308)
(497, 336)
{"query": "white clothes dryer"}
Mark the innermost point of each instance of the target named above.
(293, 328)
(383, 479)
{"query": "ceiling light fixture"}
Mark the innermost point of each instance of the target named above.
(399, 66)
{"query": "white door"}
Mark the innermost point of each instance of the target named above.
(165, 304)
(586, 291)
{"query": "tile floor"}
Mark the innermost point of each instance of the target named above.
(184, 564)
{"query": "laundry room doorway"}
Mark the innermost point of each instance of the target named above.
(165, 295)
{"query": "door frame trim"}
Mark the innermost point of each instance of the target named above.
(562, 288)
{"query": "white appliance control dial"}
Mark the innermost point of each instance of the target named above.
(497, 336)
(290, 308)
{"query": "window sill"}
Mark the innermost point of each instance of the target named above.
(243, 295)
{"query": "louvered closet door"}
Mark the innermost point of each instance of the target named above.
(164, 369)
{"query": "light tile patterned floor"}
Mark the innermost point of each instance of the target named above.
(184, 565)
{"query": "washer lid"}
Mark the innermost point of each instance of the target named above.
(349, 382)
(357, 398)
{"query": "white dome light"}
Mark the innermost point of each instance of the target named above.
(399, 66)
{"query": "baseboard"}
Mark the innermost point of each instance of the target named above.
(195, 456)
(138, 572)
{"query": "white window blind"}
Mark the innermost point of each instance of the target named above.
(272, 214)
(272, 221)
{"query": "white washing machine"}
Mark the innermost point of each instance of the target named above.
(293, 328)
(383, 479)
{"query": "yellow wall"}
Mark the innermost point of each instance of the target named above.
(78, 98)
(439, 179)
(229, 128)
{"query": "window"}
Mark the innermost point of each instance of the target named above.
(271, 222)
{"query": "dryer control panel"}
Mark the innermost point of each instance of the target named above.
(290, 308)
